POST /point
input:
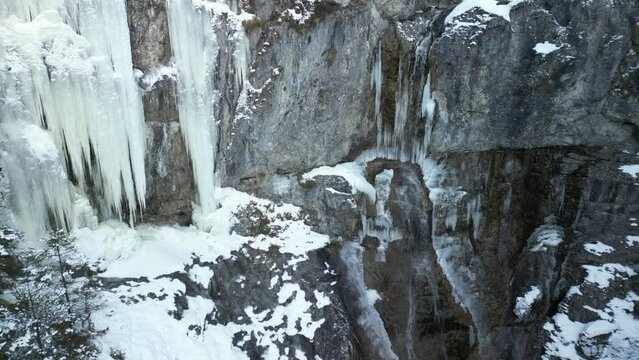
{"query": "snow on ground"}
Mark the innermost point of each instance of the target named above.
(545, 48)
(523, 304)
(140, 315)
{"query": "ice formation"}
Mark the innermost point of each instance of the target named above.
(376, 84)
(35, 169)
(368, 317)
(80, 88)
(381, 226)
(197, 65)
(428, 110)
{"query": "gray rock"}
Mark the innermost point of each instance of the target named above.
(524, 137)
(169, 176)
(494, 91)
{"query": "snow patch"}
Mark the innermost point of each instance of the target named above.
(523, 304)
(617, 323)
(598, 248)
(352, 172)
(545, 48)
(631, 170)
(631, 240)
(602, 275)
(201, 275)
(544, 237)
(494, 7)
(156, 74)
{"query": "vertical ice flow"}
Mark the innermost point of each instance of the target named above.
(81, 88)
(192, 27)
(376, 83)
(367, 316)
(35, 168)
(195, 50)
(428, 111)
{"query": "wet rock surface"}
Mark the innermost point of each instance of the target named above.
(530, 137)
(527, 245)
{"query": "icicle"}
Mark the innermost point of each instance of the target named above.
(367, 316)
(428, 103)
(117, 135)
(381, 226)
(82, 89)
(27, 10)
(241, 57)
(376, 83)
(428, 111)
(192, 25)
(474, 214)
(195, 50)
(38, 179)
(399, 143)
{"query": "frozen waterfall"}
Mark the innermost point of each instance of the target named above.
(195, 50)
(194, 43)
(81, 90)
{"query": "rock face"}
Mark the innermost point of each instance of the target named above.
(526, 109)
(530, 220)
(490, 80)
(307, 74)
(169, 177)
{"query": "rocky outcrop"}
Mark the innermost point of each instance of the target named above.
(494, 90)
(531, 109)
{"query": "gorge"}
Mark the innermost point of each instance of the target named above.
(319, 179)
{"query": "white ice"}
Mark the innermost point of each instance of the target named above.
(79, 87)
(35, 169)
(192, 27)
(367, 316)
(195, 50)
